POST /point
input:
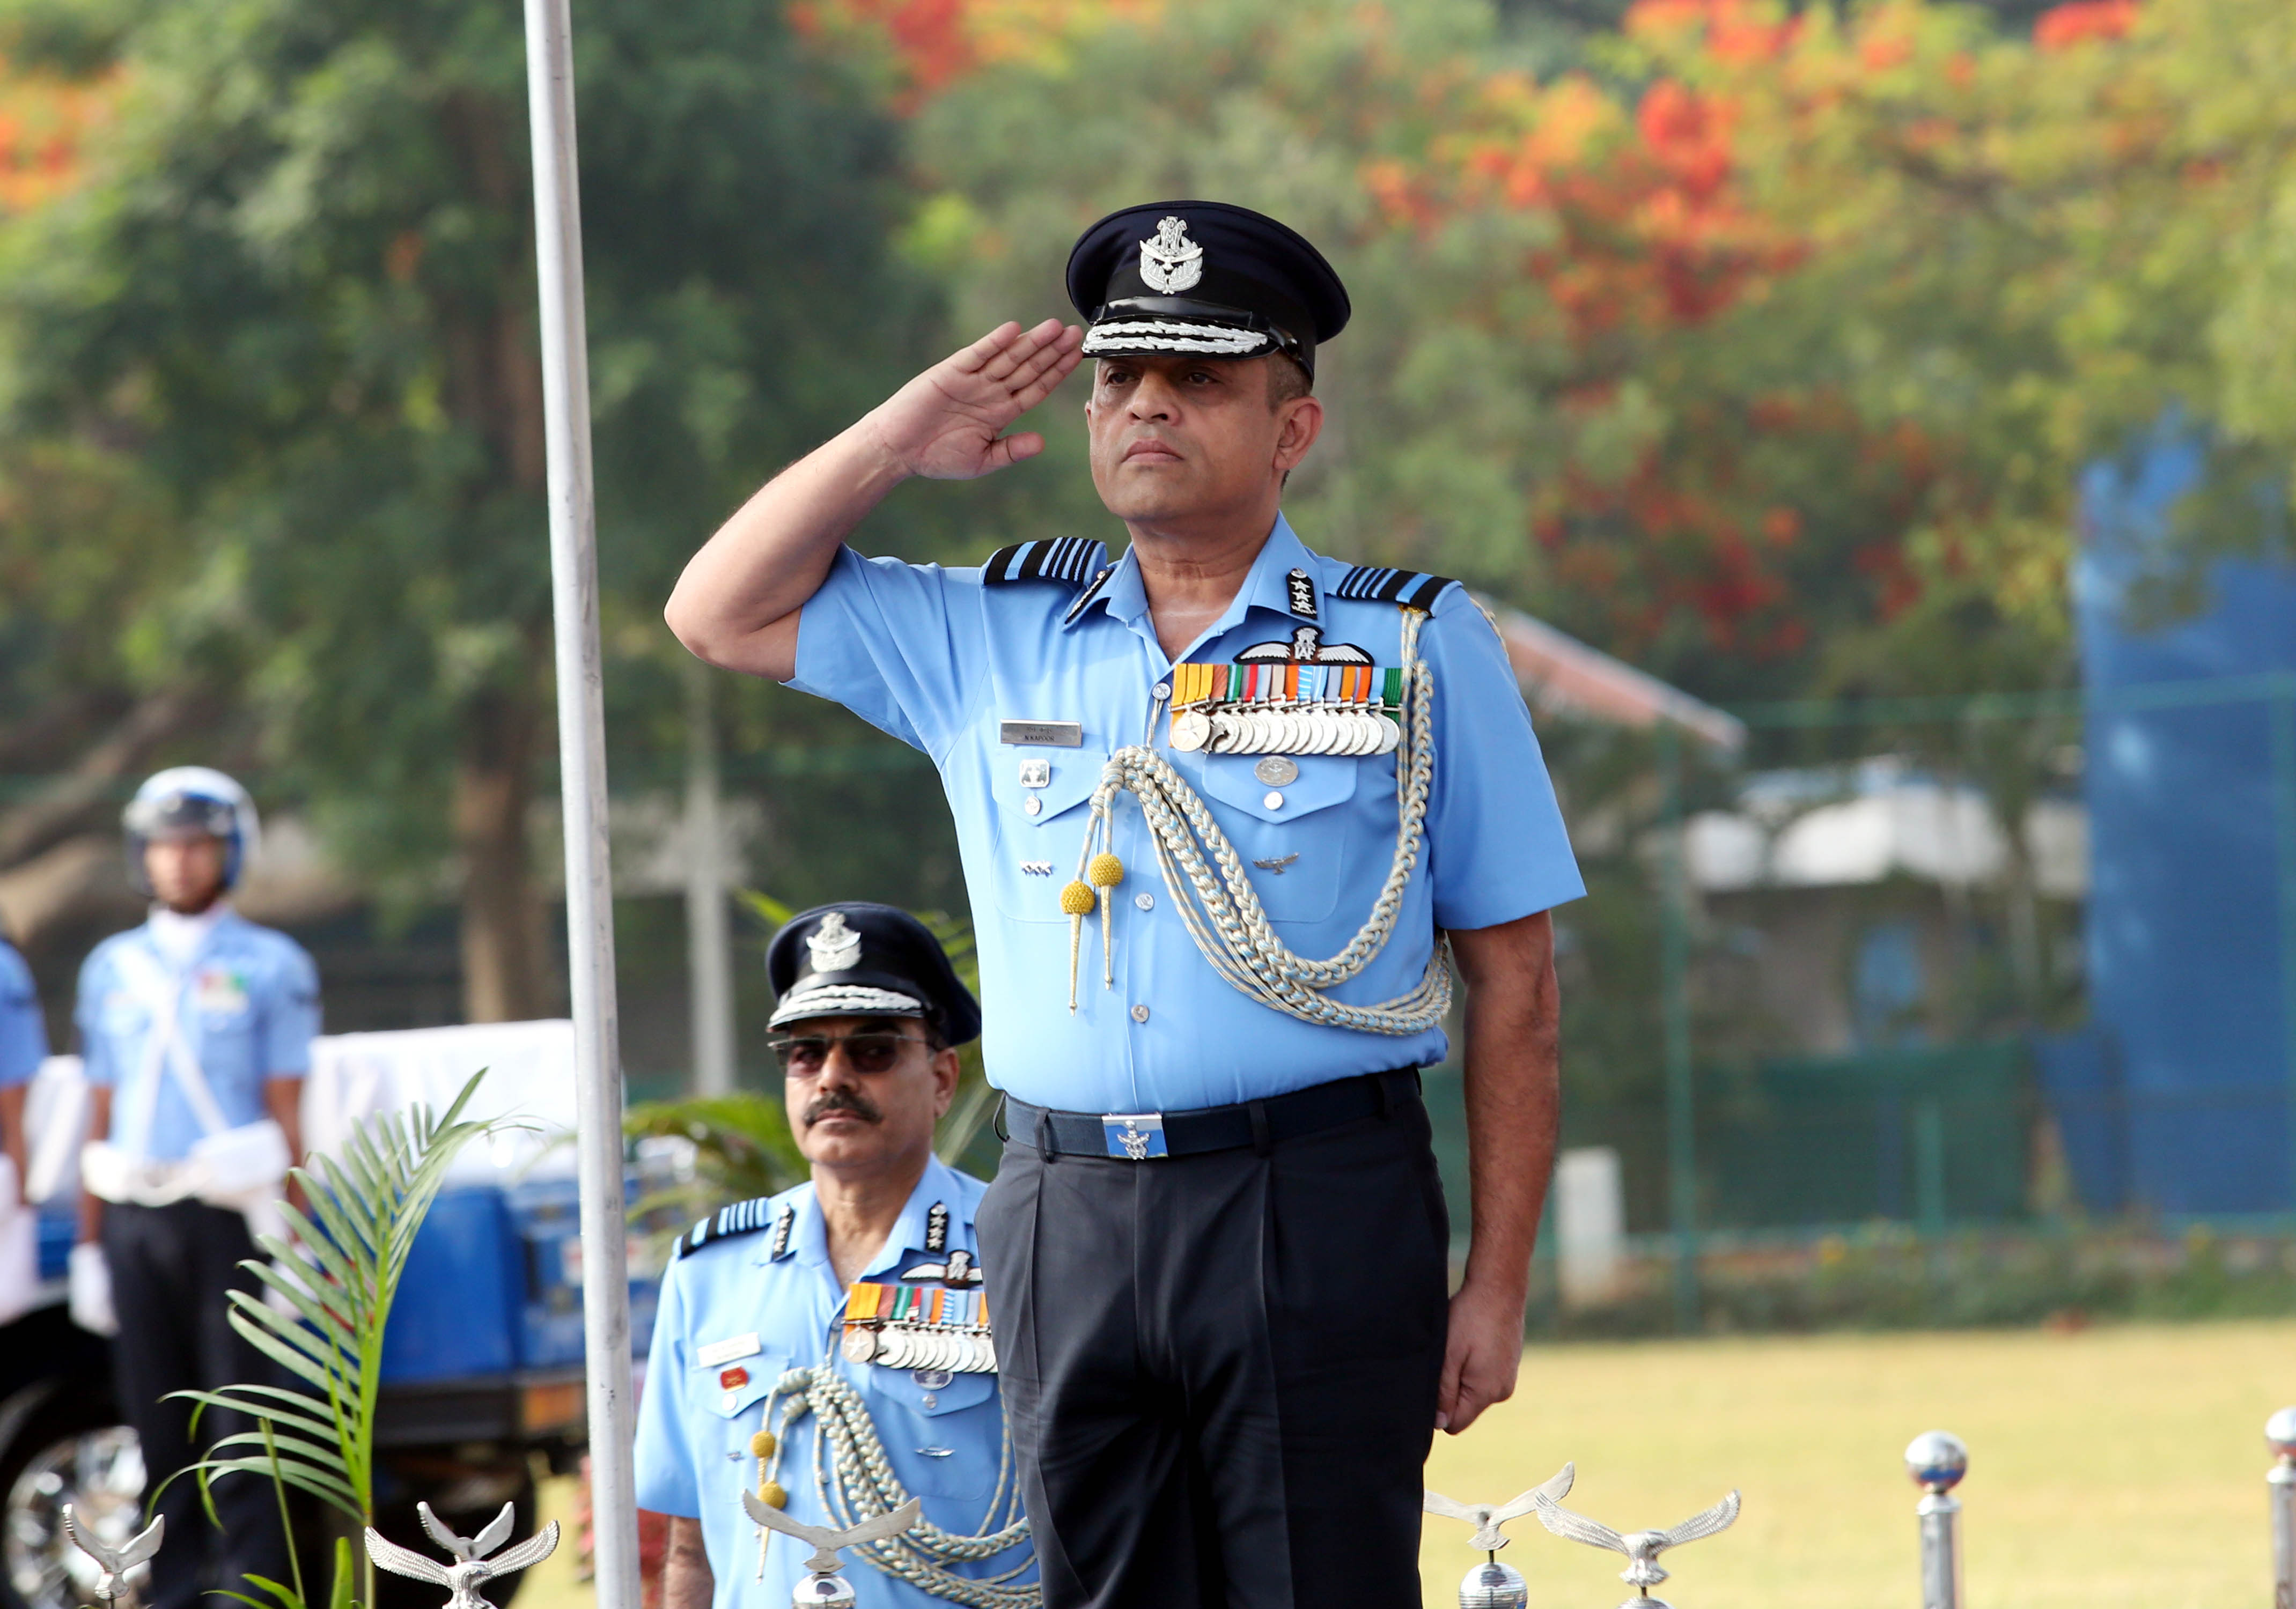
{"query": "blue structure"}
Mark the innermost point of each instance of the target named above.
(2179, 1102)
(494, 1284)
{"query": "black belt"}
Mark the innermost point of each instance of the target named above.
(1262, 1124)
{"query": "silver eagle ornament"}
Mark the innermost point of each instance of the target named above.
(825, 1587)
(471, 1568)
(1642, 1548)
(1487, 1518)
(1491, 1585)
(112, 1585)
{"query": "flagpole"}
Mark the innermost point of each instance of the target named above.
(582, 783)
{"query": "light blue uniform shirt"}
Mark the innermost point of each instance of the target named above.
(739, 1302)
(940, 658)
(246, 1007)
(23, 1033)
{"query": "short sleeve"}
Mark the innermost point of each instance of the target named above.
(99, 1060)
(895, 643)
(290, 1016)
(23, 1036)
(1496, 847)
(666, 1483)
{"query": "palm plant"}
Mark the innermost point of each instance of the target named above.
(322, 1317)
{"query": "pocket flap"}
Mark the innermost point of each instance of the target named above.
(764, 1371)
(1071, 774)
(1323, 780)
(902, 1386)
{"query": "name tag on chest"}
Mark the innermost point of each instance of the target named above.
(1043, 734)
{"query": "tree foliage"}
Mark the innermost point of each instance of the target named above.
(288, 303)
(1764, 347)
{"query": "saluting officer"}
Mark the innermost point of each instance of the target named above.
(828, 1348)
(1230, 813)
(197, 1029)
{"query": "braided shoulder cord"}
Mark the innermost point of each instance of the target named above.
(856, 1482)
(1223, 912)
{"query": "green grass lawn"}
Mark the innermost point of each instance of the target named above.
(2114, 1466)
(2121, 1466)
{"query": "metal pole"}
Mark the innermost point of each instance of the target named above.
(2281, 712)
(708, 936)
(582, 771)
(1674, 986)
(1936, 1460)
(2280, 1487)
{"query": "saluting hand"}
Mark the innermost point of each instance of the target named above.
(948, 423)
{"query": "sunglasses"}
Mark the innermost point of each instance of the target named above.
(807, 1053)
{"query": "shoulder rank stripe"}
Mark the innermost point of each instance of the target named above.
(742, 1217)
(1068, 558)
(1375, 584)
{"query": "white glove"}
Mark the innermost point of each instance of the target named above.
(91, 1290)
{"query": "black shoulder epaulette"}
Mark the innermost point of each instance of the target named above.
(1071, 560)
(742, 1217)
(1375, 584)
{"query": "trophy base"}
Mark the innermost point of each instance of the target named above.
(822, 1592)
(1493, 1586)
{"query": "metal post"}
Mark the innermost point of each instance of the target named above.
(1674, 955)
(1936, 1460)
(582, 770)
(2280, 1487)
(2282, 716)
(708, 936)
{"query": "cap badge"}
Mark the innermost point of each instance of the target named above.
(1171, 261)
(836, 947)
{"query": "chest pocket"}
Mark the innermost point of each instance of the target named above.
(740, 1405)
(740, 1414)
(1036, 850)
(1294, 847)
(946, 1443)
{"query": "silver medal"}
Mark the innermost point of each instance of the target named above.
(1276, 770)
(861, 1345)
(1390, 734)
(1192, 729)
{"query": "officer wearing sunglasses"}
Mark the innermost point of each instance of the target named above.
(766, 1298)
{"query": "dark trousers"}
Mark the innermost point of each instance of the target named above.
(170, 1267)
(1220, 1371)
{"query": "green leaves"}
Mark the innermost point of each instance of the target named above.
(328, 1291)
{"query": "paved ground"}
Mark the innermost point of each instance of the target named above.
(2116, 1467)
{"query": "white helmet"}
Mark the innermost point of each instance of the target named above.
(187, 800)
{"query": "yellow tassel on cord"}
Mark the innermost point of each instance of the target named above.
(1075, 903)
(1106, 871)
(772, 1495)
(761, 1445)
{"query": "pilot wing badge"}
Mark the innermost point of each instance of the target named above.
(1171, 262)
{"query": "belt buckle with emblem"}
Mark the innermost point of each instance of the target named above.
(1134, 1136)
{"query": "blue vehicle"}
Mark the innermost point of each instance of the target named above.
(483, 1384)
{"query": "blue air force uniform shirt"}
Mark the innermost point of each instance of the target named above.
(752, 1303)
(244, 1007)
(943, 658)
(23, 1034)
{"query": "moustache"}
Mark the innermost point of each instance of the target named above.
(841, 1100)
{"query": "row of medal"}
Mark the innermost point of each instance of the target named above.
(1286, 731)
(1282, 707)
(919, 1327)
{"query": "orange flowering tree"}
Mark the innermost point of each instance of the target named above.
(1764, 350)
